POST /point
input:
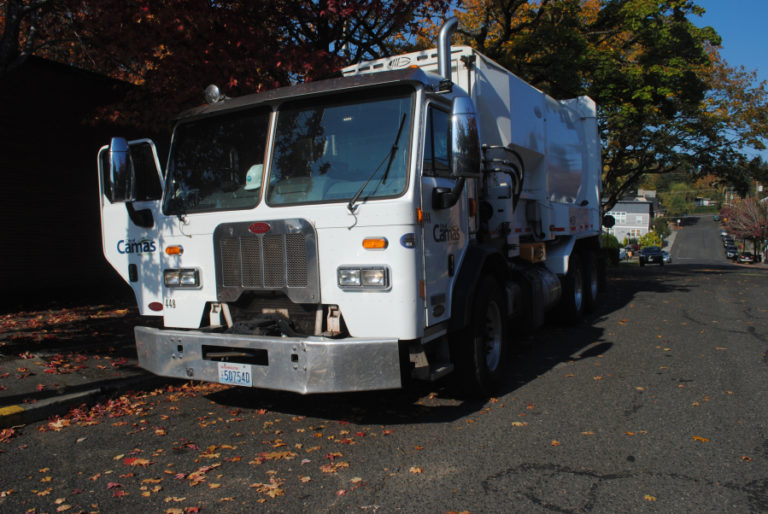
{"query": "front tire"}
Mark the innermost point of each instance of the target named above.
(482, 360)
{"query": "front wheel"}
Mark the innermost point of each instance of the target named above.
(482, 359)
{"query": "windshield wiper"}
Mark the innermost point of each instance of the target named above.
(391, 156)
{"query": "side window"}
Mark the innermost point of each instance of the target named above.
(437, 144)
(147, 185)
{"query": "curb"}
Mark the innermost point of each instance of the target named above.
(14, 415)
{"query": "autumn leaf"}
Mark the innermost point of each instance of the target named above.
(416, 470)
(272, 489)
(555, 443)
(649, 498)
(7, 434)
(700, 439)
(136, 461)
(334, 467)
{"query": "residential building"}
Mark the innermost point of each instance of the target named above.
(633, 218)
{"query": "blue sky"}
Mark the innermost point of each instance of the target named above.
(743, 25)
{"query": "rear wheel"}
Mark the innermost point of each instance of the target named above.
(481, 360)
(591, 274)
(573, 284)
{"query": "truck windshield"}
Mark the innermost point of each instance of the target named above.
(326, 150)
(217, 163)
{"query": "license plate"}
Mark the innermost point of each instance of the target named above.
(235, 374)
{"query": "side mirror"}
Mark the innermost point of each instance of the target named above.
(120, 180)
(465, 140)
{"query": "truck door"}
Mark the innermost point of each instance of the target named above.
(130, 218)
(444, 229)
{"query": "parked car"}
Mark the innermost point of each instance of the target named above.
(731, 251)
(651, 254)
(745, 258)
(728, 241)
(716, 217)
(667, 257)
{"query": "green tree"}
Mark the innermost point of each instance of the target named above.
(667, 101)
(650, 239)
(661, 227)
(679, 200)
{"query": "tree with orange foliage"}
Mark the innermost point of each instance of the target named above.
(174, 48)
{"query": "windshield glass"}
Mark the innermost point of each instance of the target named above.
(326, 150)
(216, 163)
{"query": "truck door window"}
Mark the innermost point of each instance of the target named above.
(147, 185)
(437, 144)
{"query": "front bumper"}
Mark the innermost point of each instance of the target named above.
(302, 365)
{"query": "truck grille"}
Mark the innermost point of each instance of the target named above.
(282, 259)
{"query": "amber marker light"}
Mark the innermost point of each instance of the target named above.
(174, 250)
(419, 216)
(472, 207)
(375, 243)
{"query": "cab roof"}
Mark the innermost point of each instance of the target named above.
(414, 75)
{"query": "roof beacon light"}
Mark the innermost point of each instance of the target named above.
(213, 94)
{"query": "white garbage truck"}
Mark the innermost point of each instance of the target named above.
(407, 219)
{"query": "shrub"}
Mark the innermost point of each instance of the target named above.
(610, 241)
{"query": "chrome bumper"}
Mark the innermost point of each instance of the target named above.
(302, 365)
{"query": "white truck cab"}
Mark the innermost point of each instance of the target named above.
(348, 234)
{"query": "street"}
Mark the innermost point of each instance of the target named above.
(655, 402)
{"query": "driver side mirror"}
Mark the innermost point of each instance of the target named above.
(120, 179)
(465, 140)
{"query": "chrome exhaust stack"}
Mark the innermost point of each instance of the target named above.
(444, 47)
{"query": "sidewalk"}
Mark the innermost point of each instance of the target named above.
(52, 360)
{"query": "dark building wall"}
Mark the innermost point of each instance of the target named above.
(50, 242)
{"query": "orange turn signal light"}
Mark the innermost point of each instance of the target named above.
(419, 216)
(375, 243)
(174, 250)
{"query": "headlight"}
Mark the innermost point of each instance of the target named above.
(181, 278)
(363, 277)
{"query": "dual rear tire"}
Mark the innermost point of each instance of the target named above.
(580, 286)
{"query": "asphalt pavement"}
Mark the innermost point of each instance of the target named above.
(57, 358)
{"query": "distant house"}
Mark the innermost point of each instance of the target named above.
(633, 218)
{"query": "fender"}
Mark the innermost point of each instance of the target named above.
(478, 260)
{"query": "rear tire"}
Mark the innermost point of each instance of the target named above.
(482, 352)
(592, 283)
(573, 284)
